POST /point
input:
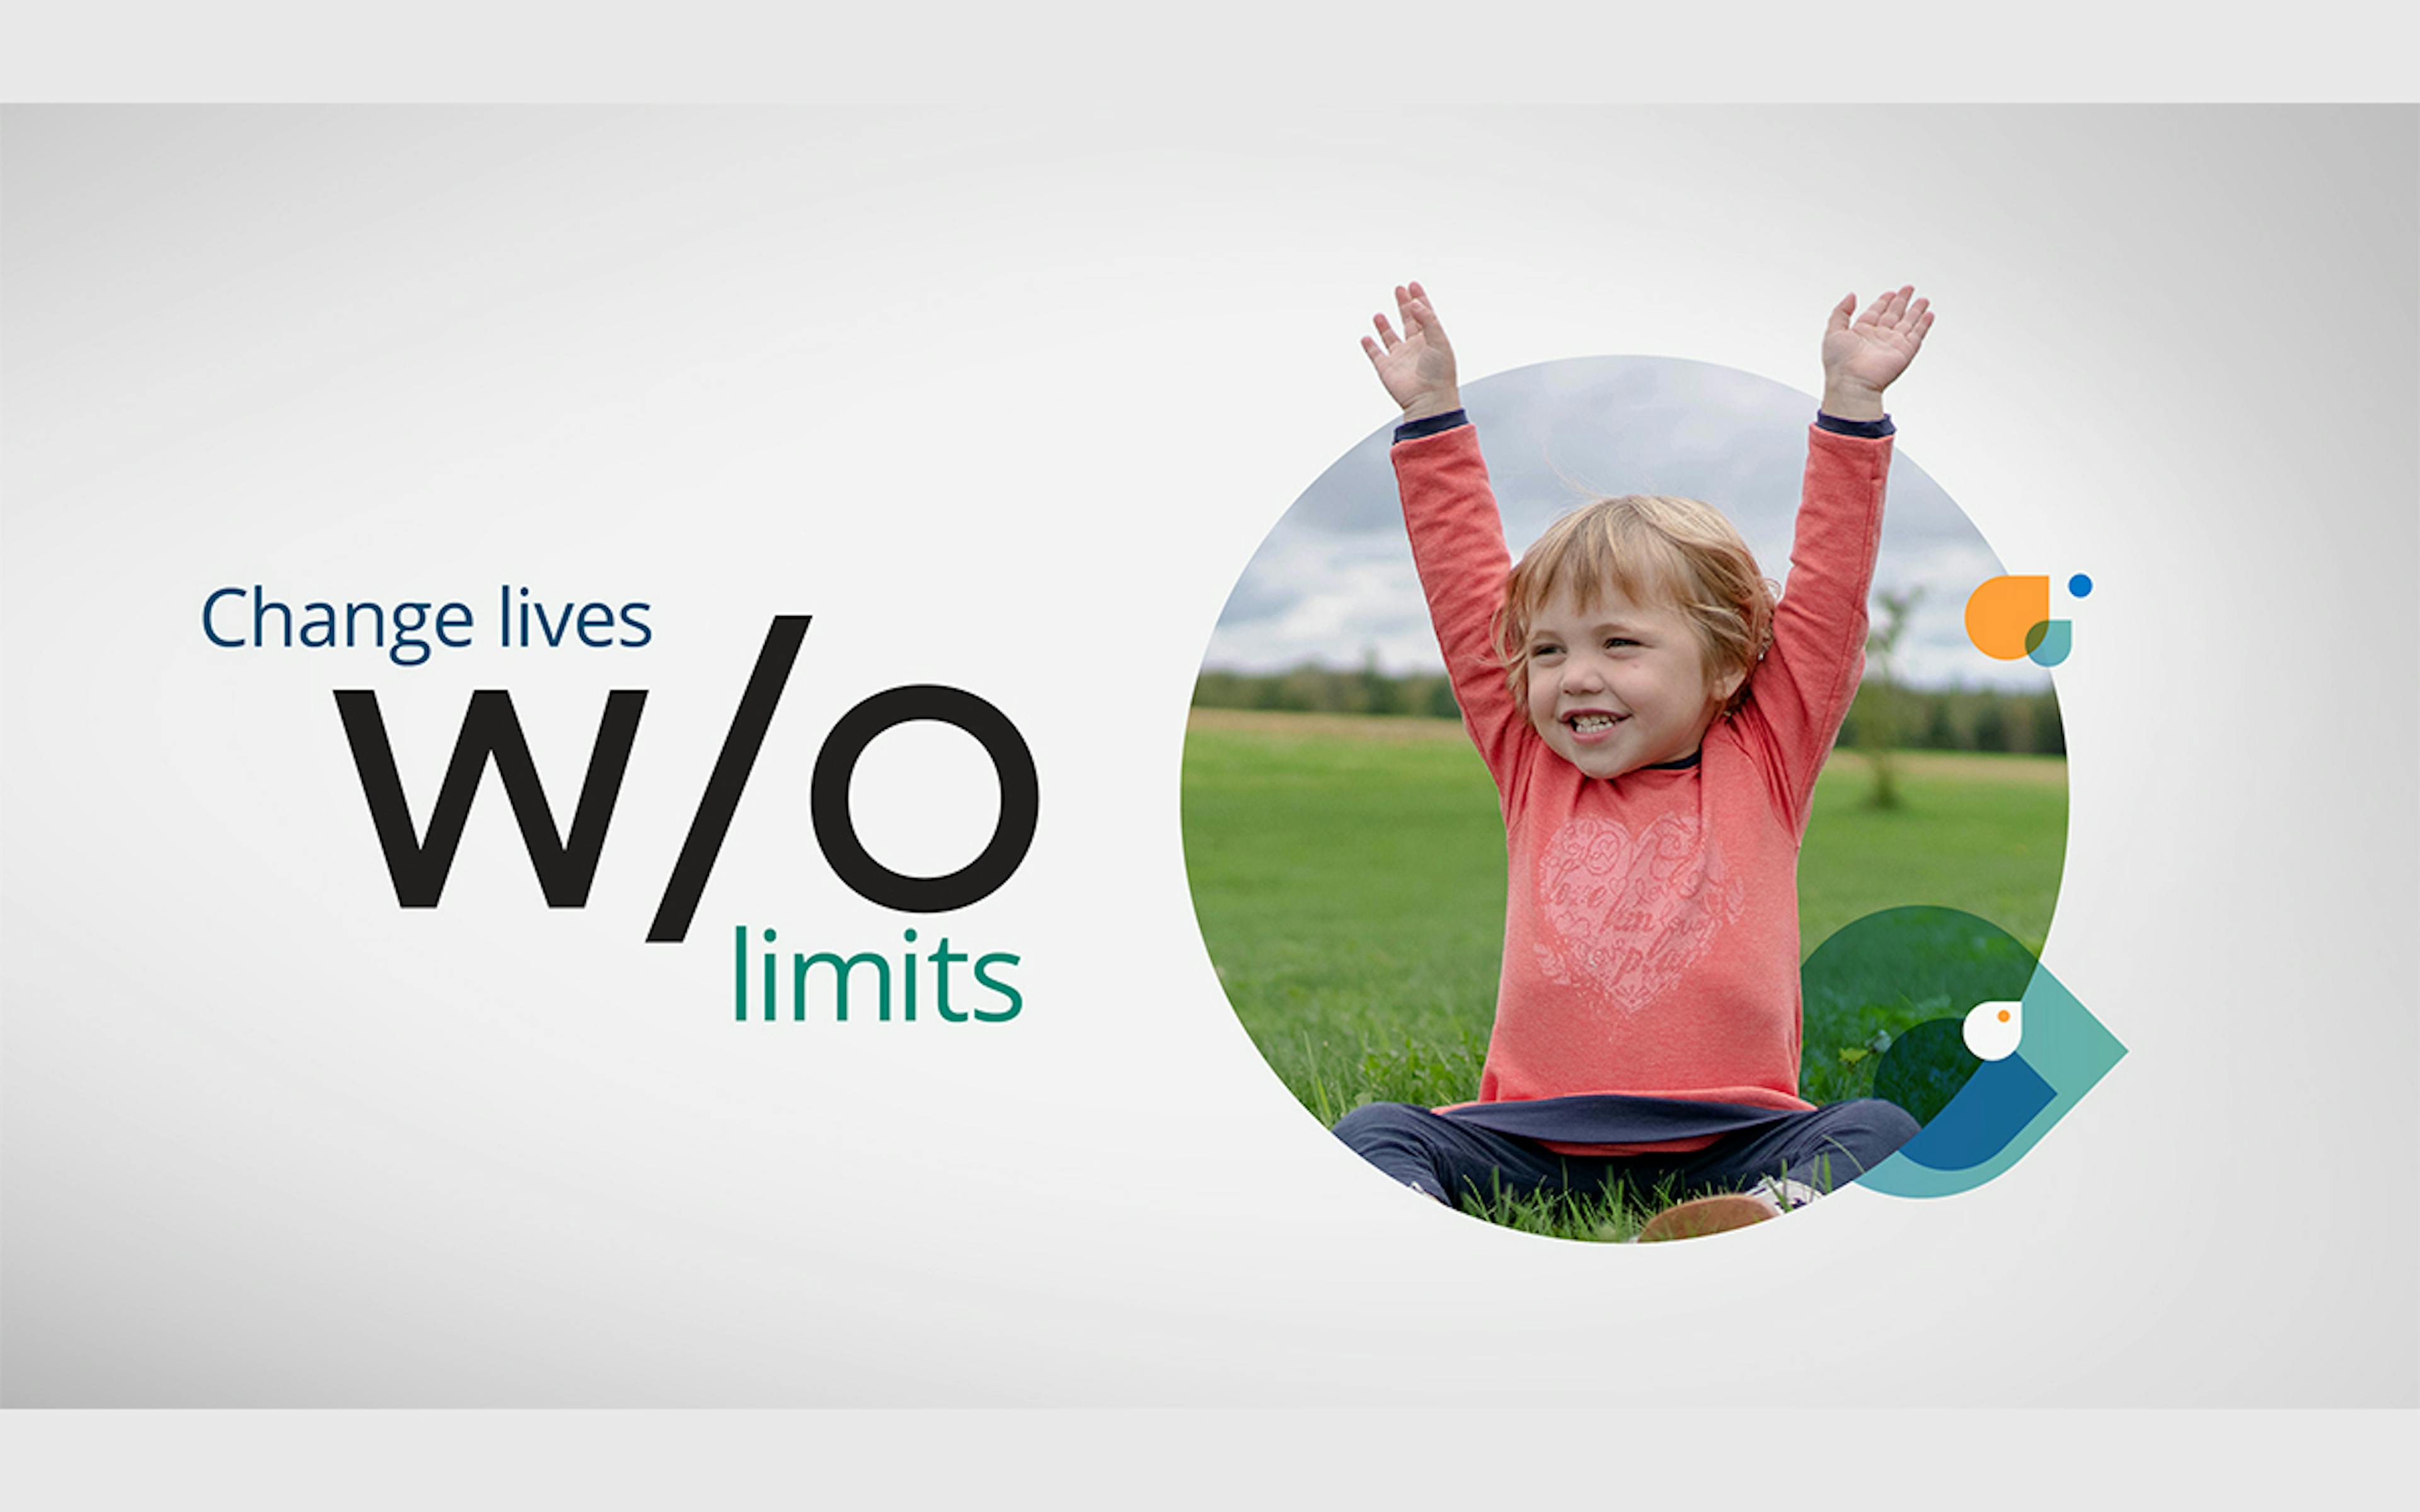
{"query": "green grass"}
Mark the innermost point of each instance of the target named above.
(1348, 874)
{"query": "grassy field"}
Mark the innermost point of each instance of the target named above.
(1348, 873)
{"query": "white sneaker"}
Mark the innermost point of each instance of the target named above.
(1784, 1195)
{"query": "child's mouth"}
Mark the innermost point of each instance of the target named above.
(1587, 726)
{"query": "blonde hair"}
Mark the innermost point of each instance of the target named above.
(1657, 549)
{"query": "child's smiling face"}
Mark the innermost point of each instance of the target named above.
(1620, 685)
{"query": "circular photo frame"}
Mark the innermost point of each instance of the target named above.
(1344, 841)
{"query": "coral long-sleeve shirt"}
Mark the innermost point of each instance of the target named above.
(1650, 930)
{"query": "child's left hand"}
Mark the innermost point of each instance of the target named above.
(1861, 358)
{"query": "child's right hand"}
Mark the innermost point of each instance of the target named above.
(1416, 367)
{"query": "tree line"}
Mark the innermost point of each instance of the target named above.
(1920, 718)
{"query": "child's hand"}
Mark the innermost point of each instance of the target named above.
(1862, 356)
(1416, 367)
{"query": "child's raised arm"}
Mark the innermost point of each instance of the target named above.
(1456, 534)
(1802, 691)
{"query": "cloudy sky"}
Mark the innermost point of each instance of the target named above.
(1334, 581)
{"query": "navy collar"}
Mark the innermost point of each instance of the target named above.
(1681, 765)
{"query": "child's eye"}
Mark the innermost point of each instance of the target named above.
(1622, 641)
(1545, 648)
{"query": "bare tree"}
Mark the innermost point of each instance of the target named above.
(1879, 730)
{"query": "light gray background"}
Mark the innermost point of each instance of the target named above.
(1008, 404)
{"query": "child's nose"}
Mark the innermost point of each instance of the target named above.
(1580, 674)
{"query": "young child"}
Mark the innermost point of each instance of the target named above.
(1654, 722)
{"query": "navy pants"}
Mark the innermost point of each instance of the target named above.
(1447, 1157)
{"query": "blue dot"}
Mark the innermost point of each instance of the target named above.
(2079, 585)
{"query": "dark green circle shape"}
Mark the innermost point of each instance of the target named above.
(1925, 1067)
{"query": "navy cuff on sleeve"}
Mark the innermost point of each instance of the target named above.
(1412, 430)
(1870, 429)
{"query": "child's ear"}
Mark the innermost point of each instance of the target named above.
(1728, 683)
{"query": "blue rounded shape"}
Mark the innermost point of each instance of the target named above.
(2049, 642)
(1999, 1098)
(2079, 585)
